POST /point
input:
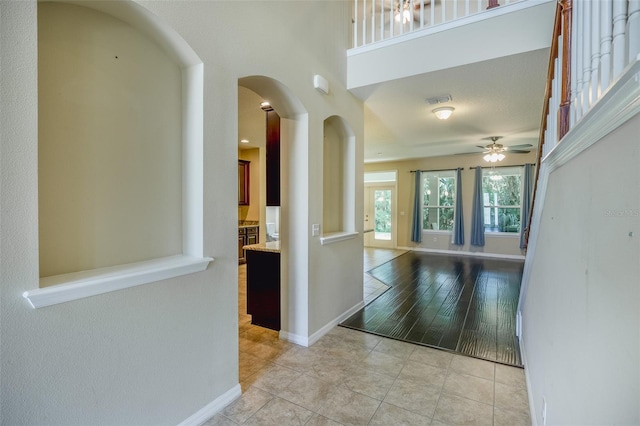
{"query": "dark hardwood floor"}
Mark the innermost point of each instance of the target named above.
(461, 304)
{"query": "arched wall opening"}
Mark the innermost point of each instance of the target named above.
(120, 151)
(338, 185)
(294, 207)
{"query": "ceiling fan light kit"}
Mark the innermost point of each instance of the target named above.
(493, 157)
(495, 150)
(443, 113)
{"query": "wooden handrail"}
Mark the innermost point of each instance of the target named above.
(561, 26)
(565, 97)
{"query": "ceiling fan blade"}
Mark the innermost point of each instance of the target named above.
(518, 151)
(481, 147)
(524, 145)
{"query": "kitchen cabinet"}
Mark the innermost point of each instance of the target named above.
(247, 235)
(243, 182)
(273, 158)
(263, 285)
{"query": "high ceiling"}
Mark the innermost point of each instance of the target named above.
(494, 70)
(499, 97)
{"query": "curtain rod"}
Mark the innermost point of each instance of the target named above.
(438, 170)
(499, 167)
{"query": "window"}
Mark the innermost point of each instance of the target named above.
(502, 191)
(438, 200)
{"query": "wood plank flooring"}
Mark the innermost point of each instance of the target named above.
(461, 304)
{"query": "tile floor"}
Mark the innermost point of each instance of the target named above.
(373, 257)
(354, 378)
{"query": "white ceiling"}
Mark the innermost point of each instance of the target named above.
(252, 121)
(498, 97)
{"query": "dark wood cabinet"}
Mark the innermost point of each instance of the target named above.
(273, 158)
(263, 288)
(247, 235)
(243, 182)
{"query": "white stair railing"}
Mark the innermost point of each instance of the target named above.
(594, 42)
(605, 38)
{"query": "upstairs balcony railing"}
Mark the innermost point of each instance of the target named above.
(378, 20)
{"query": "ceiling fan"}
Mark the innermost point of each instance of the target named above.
(495, 151)
(402, 11)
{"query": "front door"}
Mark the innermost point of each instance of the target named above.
(379, 216)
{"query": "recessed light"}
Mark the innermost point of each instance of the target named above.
(244, 140)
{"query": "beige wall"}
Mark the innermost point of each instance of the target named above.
(333, 181)
(158, 353)
(494, 244)
(581, 310)
(109, 145)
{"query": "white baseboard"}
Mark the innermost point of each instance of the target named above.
(294, 338)
(466, 253)
(214, 407)
(308, 341)
(532, 406)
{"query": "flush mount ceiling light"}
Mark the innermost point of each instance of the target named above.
(244, 141)
(443, 112)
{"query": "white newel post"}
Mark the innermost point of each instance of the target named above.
(364, 22)
(633, 29)
(606, 31)
(391, 33)
(586, 56)
(373, 21)
(355, 23)
(595, 51)
(619, 37)
(432, 14)
(578, 54)
(382, 19)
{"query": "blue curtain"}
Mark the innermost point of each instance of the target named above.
(458, 224)
(526, 204)
(477, 214)
(416, 228)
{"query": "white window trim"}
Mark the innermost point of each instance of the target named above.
(501, 234)
(437, 231)
(498, 234)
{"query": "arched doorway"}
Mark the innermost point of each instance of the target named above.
(293, 227)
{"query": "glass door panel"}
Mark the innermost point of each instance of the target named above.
(379, 217)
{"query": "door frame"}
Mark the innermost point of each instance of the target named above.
(393, 185)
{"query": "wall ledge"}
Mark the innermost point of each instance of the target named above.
(336, 237)
(78, 285)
